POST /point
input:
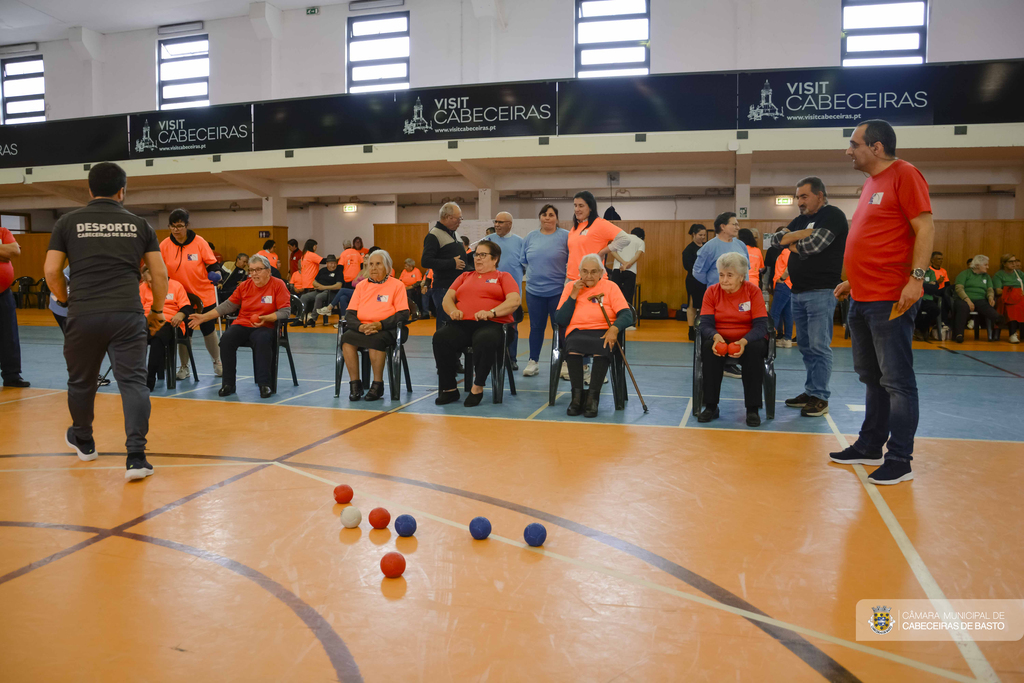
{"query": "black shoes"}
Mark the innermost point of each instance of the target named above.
(473, 399)
(446, 397)
(138, 467)
(515, 365)
(226, 390)
(576, 404)
(355, 390)
(851, 456)
(708, 414)
(375, 393)
(815, 407)
(891, 472)
(798, 402)
(86, 450)
(593, 400)
(753, 418)
(265, 391)
(17, 383)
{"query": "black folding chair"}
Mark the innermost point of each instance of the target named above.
(769, 374)
(182, 339)
(993, 331)
(397, 363)
(24, 291)
(617, 367)
(502, 365)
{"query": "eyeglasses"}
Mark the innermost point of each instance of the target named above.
(584, 271)
(256, 270)
(481, 254)
(179, 226)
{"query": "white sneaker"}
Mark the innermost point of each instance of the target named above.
(183, 372)
(1015, 339)
(564, 374)
(970, 324)
(218, 368)
(531, 369)
(337, 324)
(784, 343)
(586, 374)
(326, 310)
(631, 328)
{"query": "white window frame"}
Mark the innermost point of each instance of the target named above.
(377, 84)
(22, 117)
(612, 68)
(164, 103)
(857, 58)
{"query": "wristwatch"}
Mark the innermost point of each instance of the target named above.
(153, 310)
(917, 273)
(493, 313)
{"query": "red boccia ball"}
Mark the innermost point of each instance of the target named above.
(379, 518)
(721, 348)
(255, 318)
(343, 493)
(734, 348)
(392, 564)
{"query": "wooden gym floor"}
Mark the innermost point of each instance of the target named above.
(675, 551)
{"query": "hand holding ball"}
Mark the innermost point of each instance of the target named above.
(734, 348)
(721, 348)
(255, 319)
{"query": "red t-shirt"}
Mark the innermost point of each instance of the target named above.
(187, 264)
(270, 298)
(295, 261)
(374, 302)
(482, 292)
(410, 277)
(310, 267)
(734, 313)
(588, 239)
(587, 314)
(173, 302)
(6, 267)
(880, 247)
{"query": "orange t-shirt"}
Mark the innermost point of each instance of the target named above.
(734, 313)
(374, 302)
(410, 277)
(351, 262)
(588, 239)
(364, 251)
(173, 302)
(187, 264)
(265, 300)
(310, 267)
(941, 277)
(781, 265)
(271, 257)
(587, 314)
(756, 264)
(429, 275)
(482, 292)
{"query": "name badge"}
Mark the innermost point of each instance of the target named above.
(810, 226)
(744, 307)
(169, 297)
(192, 257)
(492, 281)
(585, 231)
(876, 198)
(268, 299)
(383, 298)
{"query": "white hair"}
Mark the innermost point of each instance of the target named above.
(347, 244)
(260, 259)
(980, 259)
(388, 263)
(735, 262)
(592, 257)
(448, 210)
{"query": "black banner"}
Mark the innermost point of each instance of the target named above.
(981, 92)
(501, 110)
(189, 132)
(69, 141)
(647, 104)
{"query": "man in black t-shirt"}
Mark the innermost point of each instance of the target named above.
(325, 286)
(104, 245)
(817, 238)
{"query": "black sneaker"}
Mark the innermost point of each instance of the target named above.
(798, 402)
(138, 467)
(891, 472)
(17, 383)
(733, 371)
(815, 407)
(86, 450)
(851, 456)
(708, 414)
(753, 418)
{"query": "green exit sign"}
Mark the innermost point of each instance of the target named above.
(312, 10)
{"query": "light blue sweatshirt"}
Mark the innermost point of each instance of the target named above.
(545, 257)
(705, 268)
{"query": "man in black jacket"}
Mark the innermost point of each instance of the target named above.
(445, 253)
(817, 238)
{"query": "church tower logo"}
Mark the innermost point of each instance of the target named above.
(417, 123)
(767, 108)
(145, 143)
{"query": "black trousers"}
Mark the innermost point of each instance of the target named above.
(260, 339)
(122, 336)
(436, 297)
(751, 367)
(160, 344)
(962, 311)
(451, 340)
(10, 344)
(927, 315)
(626, 280)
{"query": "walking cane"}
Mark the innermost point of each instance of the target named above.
(599, 300)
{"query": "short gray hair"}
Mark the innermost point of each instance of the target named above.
(448, 210)
(256, 258)
(735, 262)
(979, 259)
(347, 244)
(408, 261)
(592, 257)
(388, 263)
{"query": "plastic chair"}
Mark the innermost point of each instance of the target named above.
(993, 331)
(24, 291)
(43, 295)
(281, 332)
(769, 383)
(180, 339)
(395, 358)
(502, 365)
(617, 368)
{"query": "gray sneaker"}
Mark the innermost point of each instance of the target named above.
(815, 407)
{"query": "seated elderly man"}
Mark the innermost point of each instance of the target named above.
(479, 302)
(733, 324)
(411, 277)
(587, 332)
(974, 291)
(260, 302)
(237, 274)
(325, 285)
(377, 306)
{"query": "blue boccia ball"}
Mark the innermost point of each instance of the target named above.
(480, 527)
(405, 525)
(535, 534)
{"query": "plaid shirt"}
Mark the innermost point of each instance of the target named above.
(808, 246)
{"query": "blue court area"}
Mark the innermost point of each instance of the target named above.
(963, 391)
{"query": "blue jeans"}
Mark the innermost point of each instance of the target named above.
(782, 310)
(884, 361)
(812, 315)
(342, 298)
(541, 308)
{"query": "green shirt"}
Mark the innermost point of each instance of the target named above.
(975, 286)
(1004, 279)
(930, 278)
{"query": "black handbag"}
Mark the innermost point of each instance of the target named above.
(656, 310)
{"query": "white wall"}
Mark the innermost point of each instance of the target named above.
(962, 31)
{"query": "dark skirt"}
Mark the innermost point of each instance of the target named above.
(587, 343)
(378, 341)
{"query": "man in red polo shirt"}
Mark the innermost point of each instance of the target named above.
(888, 248)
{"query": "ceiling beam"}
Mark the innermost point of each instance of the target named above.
(261, 187)
(76, 195)
(480, 178)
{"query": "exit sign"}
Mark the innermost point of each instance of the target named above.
(312, 10)
(783, 201)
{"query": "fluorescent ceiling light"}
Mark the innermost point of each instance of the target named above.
(360, 5)
(174, 29)
(883, 16)
(882, 61)
(18, 49)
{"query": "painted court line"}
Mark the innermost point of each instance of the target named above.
(29, 398)
(90, 468)
(290, 398)
(541, 409)
(707, 602)
(980, 667)
(686, 413)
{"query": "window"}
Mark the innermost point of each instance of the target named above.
(884, 32)
(378, 52)
(184, 72)
(23, 90)
(613, 38)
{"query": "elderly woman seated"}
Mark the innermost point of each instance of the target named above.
(1009, 285)
(176, 309)
(733, 324)
(478, 302)
(377, 306)
(260, 302)
(974, 291)
(587, 332)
